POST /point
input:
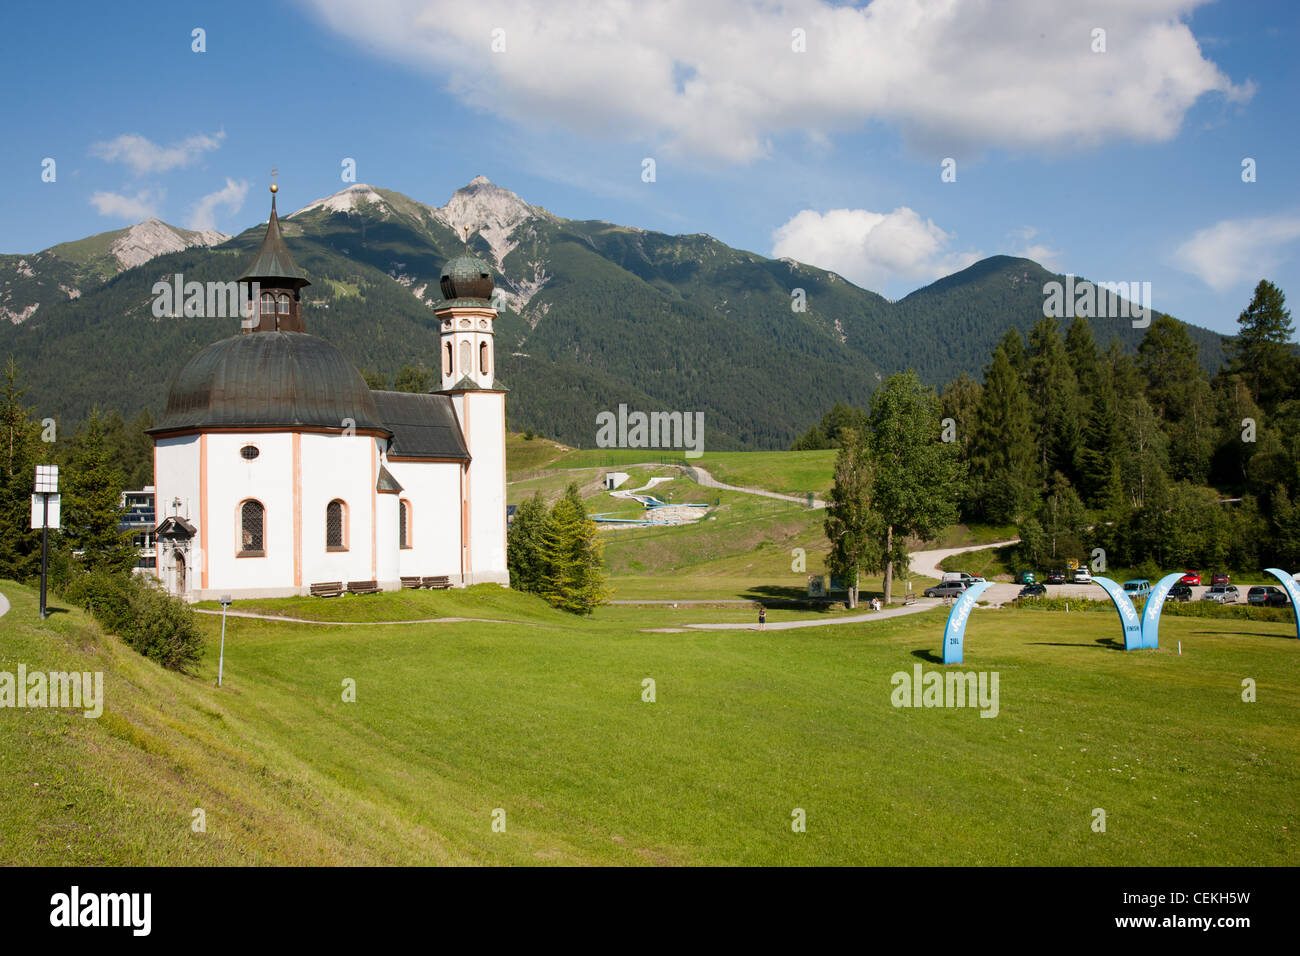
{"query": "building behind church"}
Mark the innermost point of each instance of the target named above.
(276, 467)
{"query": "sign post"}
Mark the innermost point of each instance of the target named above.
(221, 660)
(47, 485)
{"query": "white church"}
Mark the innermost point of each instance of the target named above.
(277, 468)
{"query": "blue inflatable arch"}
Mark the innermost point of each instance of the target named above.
(1128, 615)
(1293, 590)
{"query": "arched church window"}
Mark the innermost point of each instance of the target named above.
(403, 523)
(449, 367)
(268, 303)
(482, 358)
(252, 529)
(284, 305)
(336, 526)
(466, 359)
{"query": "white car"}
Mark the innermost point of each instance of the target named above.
(1082, 576)
(1222, 594)
(954, 577)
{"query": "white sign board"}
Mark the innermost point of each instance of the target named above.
(38, 511)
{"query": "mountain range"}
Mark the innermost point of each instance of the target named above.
(592, 314)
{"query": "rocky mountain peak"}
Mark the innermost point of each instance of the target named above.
(152, 238)
(490, 211)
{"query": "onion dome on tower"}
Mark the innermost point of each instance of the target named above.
(277, 302)
(467, 278)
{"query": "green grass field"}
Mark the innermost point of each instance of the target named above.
(543, 718)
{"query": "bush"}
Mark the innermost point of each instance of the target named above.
(107, 596)
(151, 621)
(164, 628)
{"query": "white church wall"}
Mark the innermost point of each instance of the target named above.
(338, 466)
(268, 478)
(433, 490)
(483, 417)
(176, 476)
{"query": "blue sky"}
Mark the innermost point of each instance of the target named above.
(1121, 165)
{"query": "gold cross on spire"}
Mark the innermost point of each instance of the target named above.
(274, 187)
(466, 229)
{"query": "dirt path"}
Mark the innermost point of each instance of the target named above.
(917, 607)
(705, 480)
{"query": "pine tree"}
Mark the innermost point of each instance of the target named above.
(1167, 357)
(20, 547)
(524, 553)
(574, 579)
(852, 528)
(1085, 358)
(1054, 397)
(92, 504)
(1261, 353)
(1003, 468)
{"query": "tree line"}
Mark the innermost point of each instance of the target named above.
(1144, 456)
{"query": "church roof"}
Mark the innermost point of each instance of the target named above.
(273, 259)
(269, 379)
(387, 483)
(423, 425)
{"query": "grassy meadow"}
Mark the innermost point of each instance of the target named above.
(479, 700)
(543, 717)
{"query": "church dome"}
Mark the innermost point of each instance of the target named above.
(261, 379)
(466, 277)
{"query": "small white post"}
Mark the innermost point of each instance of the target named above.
(221, 660)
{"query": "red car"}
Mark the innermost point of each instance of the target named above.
(1221, 578)
(1192, 578)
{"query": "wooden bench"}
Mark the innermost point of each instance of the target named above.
(441, 581)
(327, 589)
(363, 587)
(411, 582)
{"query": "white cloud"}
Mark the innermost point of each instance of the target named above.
(718, 78)
(203, 215)
(870, 248)
(1234, 251)
(143, 205)
(145, 156)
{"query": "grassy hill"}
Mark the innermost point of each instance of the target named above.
(543, 718)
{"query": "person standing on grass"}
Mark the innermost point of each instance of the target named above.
(762, 617)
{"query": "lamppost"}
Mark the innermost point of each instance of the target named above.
(47, 486)
(221, 660)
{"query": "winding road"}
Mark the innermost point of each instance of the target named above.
(705, 480)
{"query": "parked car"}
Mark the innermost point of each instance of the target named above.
(1055, 577)
(1192, 578)
(1032, 590)
(948, 589)
(1220, 578)
(1222, 594)
(1137, 588)
(1180, 592)
(1082, 575)
(1025, 577)
(962, 576)
(1268, 595)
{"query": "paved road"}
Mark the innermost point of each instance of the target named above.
(704, 479)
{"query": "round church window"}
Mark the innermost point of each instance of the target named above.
(249, 452)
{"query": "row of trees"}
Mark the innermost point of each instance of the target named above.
(1146, 456)
(556, 552)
